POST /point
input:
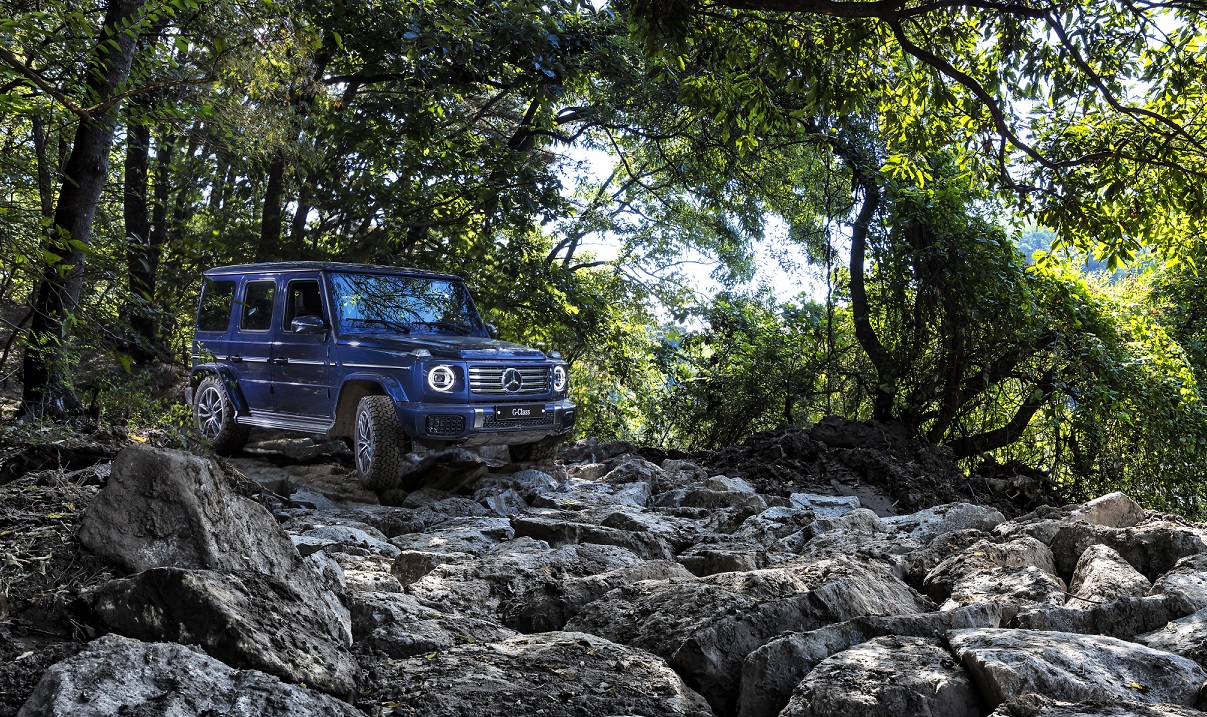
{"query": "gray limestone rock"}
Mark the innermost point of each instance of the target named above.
(926, 525)
(1152, 547)
(245, 619)
(1101, 576)
(1010, 663)
(557, 674)
(399, 626)
(1040, 706)
(1123, 618)
(1014, 589)
(887, 677)
(1187, 579)
(1186, 636)
(825, 506)
(772, 672)
(562, 532)
(116, 676)
(706, 627)
(986, 555)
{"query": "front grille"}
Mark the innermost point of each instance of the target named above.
(492, 422)
(445, 425)
(488, 380)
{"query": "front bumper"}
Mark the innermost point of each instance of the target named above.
(478, 425)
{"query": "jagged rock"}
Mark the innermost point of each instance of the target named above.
(449, 469)
(679, 474)
(985, 555)
(591, 450)
(770, 673)
(706, 627)
(504, 504)
(773, 526)
(164, 508)
(1010, 663)
(575, 494)
(861, 521)
(632, 469)
(494, 586)
(399, 626)
(411, 565)
(915, 565)
(588, 471)
(474, 536)
(1040, 706)
(550, 605)
(678, 532)
(1123, 619)
(345, 538)
(563, 532)
(1186, 636)
(1152, 547)
(1101, 576)
(926, 525)
(725, 556)
(1113, 510)
(825, 506)
(245, 619)
(1187, 579)
(745, 502)
(1013, 589)
(116, 675)
(887, 677)
(886, 548)
(728, 484)
(560, 674)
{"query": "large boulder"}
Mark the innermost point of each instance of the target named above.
(1010, 663)
(926, 525)
(1186, 636)
(706, 627)
(982, 556)
(119, 676)
(558, 674)
(1124, 619)
(772, 672)
(399, 626)
(1040, 706)
(245, 619)
(1101, 576)
(887, 677)
(562, 532)
(1186, 579)
(1153, 547)
(1014, 589)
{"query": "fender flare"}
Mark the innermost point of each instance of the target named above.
(229, 382)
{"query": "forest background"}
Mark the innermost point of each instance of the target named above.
(946, 169)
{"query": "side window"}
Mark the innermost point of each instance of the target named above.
(303, 299)
(214, 313)
(258, 300)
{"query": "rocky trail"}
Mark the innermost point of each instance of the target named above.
(840, 570)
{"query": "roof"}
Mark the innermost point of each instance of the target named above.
(274, 267)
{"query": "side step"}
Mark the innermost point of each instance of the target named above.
(286, 422)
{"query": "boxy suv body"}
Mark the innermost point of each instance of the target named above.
(380, 355)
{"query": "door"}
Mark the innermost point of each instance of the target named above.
(301, 372)
(251, 341)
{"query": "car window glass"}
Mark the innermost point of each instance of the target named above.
(215, 311)
(257, 305)
(303, 300)
(391, 303)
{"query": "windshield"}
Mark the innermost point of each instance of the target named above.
(388, 303)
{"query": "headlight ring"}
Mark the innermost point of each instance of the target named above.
(441, 378)
(560, 379)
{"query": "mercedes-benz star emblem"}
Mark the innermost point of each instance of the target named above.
(512, 380)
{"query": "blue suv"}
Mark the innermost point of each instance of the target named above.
(381, 356)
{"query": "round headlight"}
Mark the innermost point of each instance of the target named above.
(560, 378)
(441, 378)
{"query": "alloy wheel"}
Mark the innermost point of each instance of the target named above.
(364, 443)
(211, 413)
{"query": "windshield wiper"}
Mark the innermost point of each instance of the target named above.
(463, 330)
(394, 325)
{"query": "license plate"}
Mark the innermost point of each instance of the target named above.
(520, 412)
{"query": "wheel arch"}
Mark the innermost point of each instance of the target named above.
(229, 382)
(353, 389)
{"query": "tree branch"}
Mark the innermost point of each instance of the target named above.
(11, 60)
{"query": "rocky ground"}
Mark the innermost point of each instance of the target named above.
(842, 570)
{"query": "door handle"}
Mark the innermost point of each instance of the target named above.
(281, 361)
(235, 359)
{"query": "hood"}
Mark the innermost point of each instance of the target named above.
(444, 345)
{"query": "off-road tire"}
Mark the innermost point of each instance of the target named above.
(379, 445)
(543, 450)
(214, 416)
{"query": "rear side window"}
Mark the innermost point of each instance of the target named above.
(215, 311)
(258, 300)
(304, 300)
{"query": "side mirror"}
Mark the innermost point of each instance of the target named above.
(492, 331)
(308, 324)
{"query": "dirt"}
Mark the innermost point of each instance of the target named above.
(890, 472)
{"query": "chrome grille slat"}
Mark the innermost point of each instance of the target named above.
(488, 380)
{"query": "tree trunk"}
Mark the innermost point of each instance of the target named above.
(138, 231)
(45, 172)
(85, 172)
(882, 395)
(270, 225)
(298, 231)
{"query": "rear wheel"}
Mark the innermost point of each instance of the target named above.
(214, 415)
(379, 444)
(542, 450)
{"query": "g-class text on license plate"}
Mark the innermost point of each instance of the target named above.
(519, 412)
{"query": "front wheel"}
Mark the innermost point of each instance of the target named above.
(379, 444)
(214, 415)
